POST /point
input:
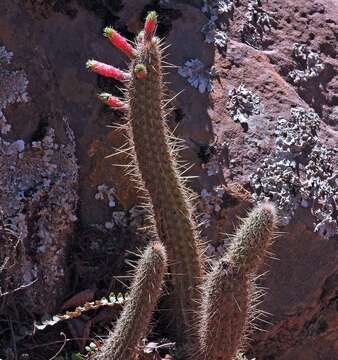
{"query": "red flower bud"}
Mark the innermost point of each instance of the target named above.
(112, 101)
(119, 41)
(107, 70)
(150, 26)
(140, 71)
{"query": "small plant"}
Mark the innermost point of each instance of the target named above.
(211, 309)
(91, 348)
(72, 356)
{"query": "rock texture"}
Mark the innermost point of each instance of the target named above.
(51, 42)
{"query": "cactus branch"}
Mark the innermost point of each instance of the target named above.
(135, 318)
(248, 247)
(227, 291)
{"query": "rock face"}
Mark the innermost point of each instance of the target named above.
(231, 132)
(39, 181)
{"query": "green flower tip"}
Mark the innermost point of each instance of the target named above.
(90, 64)
(140, 71)
(104, 96)
(139, 68)
(152, 15)
(107, 31)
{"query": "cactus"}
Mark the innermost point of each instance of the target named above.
(210, 315)
(170, 205)
(133, 324)
(148, 134)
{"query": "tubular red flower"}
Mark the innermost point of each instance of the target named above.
(107, 70)
(119, 41)
(140, 71)
(112, 101)
(150, 26)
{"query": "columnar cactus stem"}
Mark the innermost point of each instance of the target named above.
(227, 292)
(133, 324)
(156, 164)
(224, 313)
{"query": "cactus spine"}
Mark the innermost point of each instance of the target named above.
(227, 291)
(133, 324)
(211, 317)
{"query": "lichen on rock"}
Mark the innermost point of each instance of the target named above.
(218, 7)
(298, 135)
(132, 218)
(311, 63)
(197, 75)
(215, 30)
(300, 173)
(320, 185)
(13, 87)
(243, 103)
(214, 35)
(257, 22)
(38, 200)
(210, 203)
